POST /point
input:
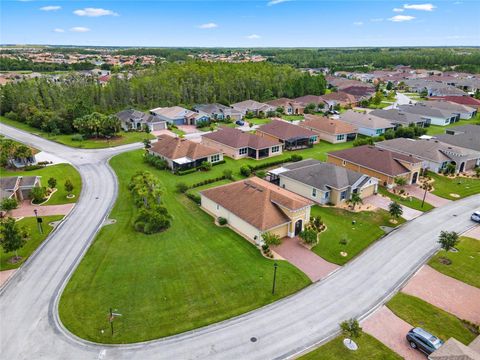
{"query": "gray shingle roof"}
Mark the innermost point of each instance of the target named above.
(466, 140)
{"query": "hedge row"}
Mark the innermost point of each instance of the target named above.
(293, 158)
(192, 170)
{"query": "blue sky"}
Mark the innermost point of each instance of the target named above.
(241, 23)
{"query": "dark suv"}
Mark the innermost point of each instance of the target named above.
(424, 341)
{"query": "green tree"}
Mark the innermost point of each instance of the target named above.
(271, 239)
(182, 187)
(355, 199)
(68, 186)
(351, 329)
(12, 237)
(395, 209)
(38, 194)
(245, 170)
(23, 152)
(448, 239)
(147, 143)
(400, 181)
(309, 236)
(52, 182)
(8, 204)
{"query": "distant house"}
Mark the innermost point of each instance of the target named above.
(323, 182)
(433, 88)
(18, 187)
(254, 206)
(329, 130)
(237, 144)
(183, 154)
(137, 120)
(338, 98)
(435, 154)
(465, 136)
(253, 106)
(360, 92)
(292, 136)
(462, 100)
(311, 99)
(366, 123)
(219, 112)
(463, 111)
(432, 115)
(400, 118)
(382, 164)
(289, 106)
(177, 115)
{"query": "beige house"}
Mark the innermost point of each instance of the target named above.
(18, 187)
(237, 144)
(329, 130)
(254, 206)
(289, 106)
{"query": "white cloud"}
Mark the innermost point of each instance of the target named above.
(58, 30)
(358, 23)
(253, 36)
(421, 7)
(94, 12)
(50, 8)
(457, 3)
(79, 29)
(376, 20)
(398, 10)
(401, 18)
(275, 2)
(209, 25)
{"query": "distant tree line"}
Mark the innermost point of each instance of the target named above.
(23, 65)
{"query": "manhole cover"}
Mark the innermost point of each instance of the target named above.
(253, 339)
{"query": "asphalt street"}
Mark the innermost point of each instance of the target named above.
(30, 328)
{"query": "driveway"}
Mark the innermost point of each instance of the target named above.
(402, 99)
(446, 293)
(382, 202)
(306, 260)
(432, 199)
(387, 327)
(473, 233)
(5, 275)
(26, 209)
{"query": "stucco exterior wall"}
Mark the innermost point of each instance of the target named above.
(227, 150)
(303, 190)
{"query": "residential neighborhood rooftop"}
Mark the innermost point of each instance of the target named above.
(325, 124)
(285, 130)
(236, 138)
(176, 148)
(365, 120)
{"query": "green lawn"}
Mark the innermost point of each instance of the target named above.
(436, 321)
(192, 275)
(122, 139)
(465, 264)
(368, 348)
(437, 130)
(339, 226)
(382, 105)
(257, 121)
(34, 241)
(217, 125)
(444, 186)
(292, 117)
(61, 172)
(412, 202)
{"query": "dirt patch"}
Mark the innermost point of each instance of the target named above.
(15, 260)
(444, 261)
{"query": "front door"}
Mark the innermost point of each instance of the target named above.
(298, 227)
(414, 178)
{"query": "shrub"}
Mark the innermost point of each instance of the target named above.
(265, 247)
(364, 141)
(206, 166)
(185, 172)
(228, 174)
(195, 198)
(8, 204)
(154, 220)
(245, 170)
(155, 161)
(343, 241)
(77, 137)
(182, 187)
(33, 167)
(261, 174)
(38, 194)
(52, 182)
(296, 157)
(222, 221)
(309, 236)
(271, 239)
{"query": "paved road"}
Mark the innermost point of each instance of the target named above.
(28, 304)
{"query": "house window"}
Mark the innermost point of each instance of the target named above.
(341, 137)
(242, 151)
(275, 149)
(379, 131)
(215, 158)
(218, 207)
(326, 195)
(344, 162)
(314, 192)
(313, 139)
(343, 195)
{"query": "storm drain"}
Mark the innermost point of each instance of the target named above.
(253, 339)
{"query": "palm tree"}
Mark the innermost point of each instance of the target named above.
(395, 209)
(427, 187)
(355, 199)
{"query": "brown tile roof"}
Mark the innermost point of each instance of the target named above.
(238, 139)
(257, 202)
(339, 96)
(284, 130)
(454, 350)
(462, 100)
(283, 102)
(309, 99)
(381, 160)
(175, 148)
(327, 125)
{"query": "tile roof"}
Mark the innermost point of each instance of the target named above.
(383, 161)
(327, 125)
(463, 100)
(284, 130)
(236, 138)
(365, 120)
(310, 99)
(397, 116)
(339, 96)
(127, 115)
(257, 202)
(453, 349)
(176, 148)
(283, 102)
(174, 112)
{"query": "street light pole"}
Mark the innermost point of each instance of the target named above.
(39, 221)
(275, 266)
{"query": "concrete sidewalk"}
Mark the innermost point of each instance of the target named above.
(26, 209)
(382, 202)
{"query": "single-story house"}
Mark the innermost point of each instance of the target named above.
(219, 112)
(289, 106)
(293, 137)
(367, 124)
(399, 118)
(435, 154)
(178, 115)
(382, 164)
(254, 206)
(18, 187)
(465, 136)
(360, 92)
(462, 100)
(237, 144)
(432, 115)
(137, 120)
(253, 106)
(323, 182)
(311, 99)
(463, 111)
(338, 98)
(433, 88)
(182, 154)
(329, 130)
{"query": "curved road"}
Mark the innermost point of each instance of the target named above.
(28, 304)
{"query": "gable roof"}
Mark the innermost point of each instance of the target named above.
(257, 202)
(424, 110)
(327, 125)
(468, 140)
(176, 148)
(365, 120)
(284, 130)
(310, 99)
(463, 100)
(321, 175)
(251, 105)
(284, 102)
(453, 349)
(397, 116)
(132, 114)
(381, 160)
(173, 112)
(236, 138)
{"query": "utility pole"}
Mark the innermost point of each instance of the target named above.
(275, 266)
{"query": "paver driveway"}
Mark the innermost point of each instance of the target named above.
(382, 202)
(5, 275)
(26, 209)
(432, 199)
(387, 327)
(446, 293)
(473, 233)
(306, 260)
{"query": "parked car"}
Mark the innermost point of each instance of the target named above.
(422, 340)
(476, 216)
(240, 122)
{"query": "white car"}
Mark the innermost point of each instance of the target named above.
(476, 216)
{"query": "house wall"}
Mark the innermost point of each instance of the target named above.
(371, 132)
(220, 158)
(303, 214)
(303, 189)
(157, 126)
(227, 150)
(368, 190)
(441, 121)
(471, 164)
